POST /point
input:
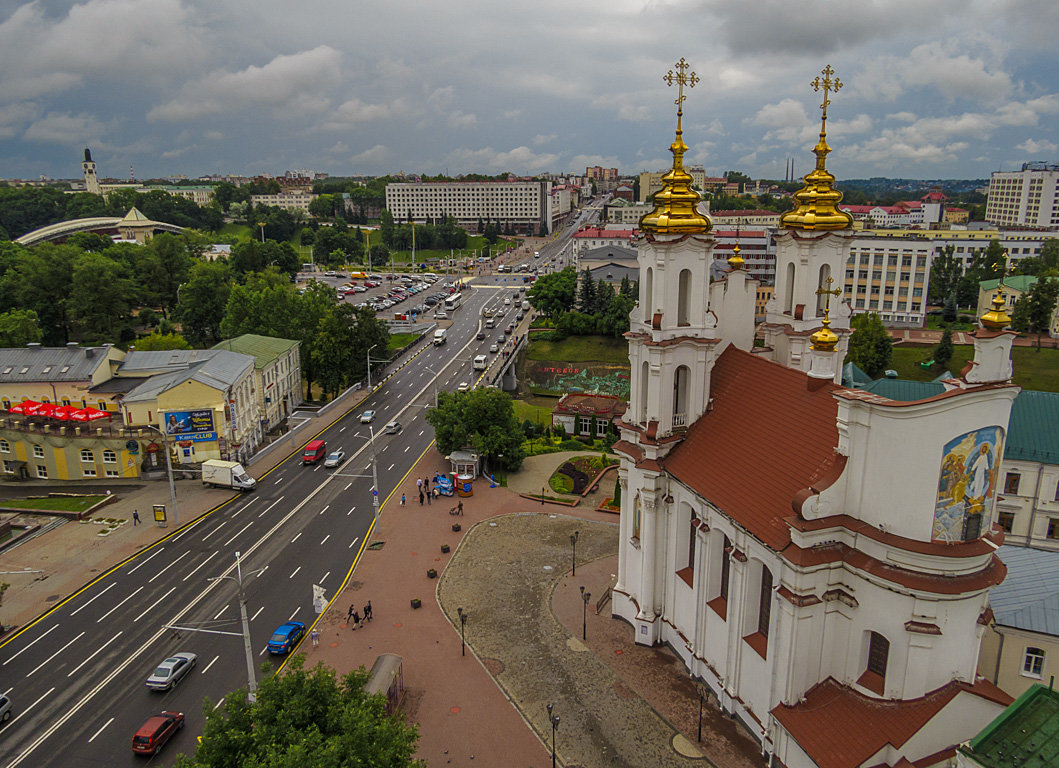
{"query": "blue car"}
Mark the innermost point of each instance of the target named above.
(286, 637)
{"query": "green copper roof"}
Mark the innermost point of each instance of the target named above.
(1020, 283)
(1032, 431)
(1025, 735)
(264, 349)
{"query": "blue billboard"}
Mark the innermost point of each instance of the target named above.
(190, 425)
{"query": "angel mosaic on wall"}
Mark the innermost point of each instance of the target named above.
(967, 485)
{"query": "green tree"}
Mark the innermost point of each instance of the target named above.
(1034, 311)
(945, 274)
(554, 293)
(379, 255)
(202, 302)
(162, 267)
(483, 419)
(870, 346)
(266, 304)
(943, 352)
(1050, 253)
(161, 341)
(333, 349)
(100, 299)
(19, 327)
(386, 228)
(305, 718)
(586, 299)
(323, 207)
(491, 233)
(42, 280)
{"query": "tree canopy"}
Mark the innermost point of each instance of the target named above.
(554, 293)
(870, 346)
(482, 419)
(1034, 310)
(304, 719)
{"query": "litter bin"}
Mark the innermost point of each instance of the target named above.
(464, 485)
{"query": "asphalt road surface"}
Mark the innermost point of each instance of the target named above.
(77, 676)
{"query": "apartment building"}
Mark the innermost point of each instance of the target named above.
(1025, 198)
(294, 200)
(525, 206)
(889, 276)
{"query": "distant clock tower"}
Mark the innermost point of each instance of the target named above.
(89, 169)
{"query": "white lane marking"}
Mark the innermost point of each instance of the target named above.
(225, 608)
(391, 467)
(207, 667)
(270, 506)
(186, 553)
(89, 658)
(214, 530)
(56, 653)
(295, 572)
(30, 645)
(328, 536)
(258, 613)
(237, 535)
(348, 486)
(291, 618)
(342, 429)
(296, 537)
(141, 565)
(367, 466)
(192, 573)
(325, 509)
(218, 704)
(156, 602)
(111, 720)
(74, 613)
(31, 706)
(353, 542)
(324, 577)
(406, 448)
(236, 514)
(262, 572)
(116, 607)
(350, 512)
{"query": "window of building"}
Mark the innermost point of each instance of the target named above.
(1006, 520)
(764, 610)
(109, 457)
(1053, 528)
(42, 472)
(726, 560)
(636, 518)
(5, 447)
(88, 471)
(1033, 662)
(86, 455)
(586, 425)
(878, 654)
(38, 452)
(1011, 483)
(601, 427)
(693, 529)
(112, 473)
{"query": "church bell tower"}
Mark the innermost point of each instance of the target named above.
(88, 168)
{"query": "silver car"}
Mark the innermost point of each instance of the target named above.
(169, 672)
(5, 708)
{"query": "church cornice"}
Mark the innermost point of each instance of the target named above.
(647, 340)
(959, 549)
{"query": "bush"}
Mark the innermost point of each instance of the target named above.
(571, 445)
(559, 430)
(561, 483)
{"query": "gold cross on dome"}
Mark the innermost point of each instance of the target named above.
(821, 291)
(828, 85)
(682, 78)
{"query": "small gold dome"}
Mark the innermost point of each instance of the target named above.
(735, 261)
(997, 319)
(824, 339)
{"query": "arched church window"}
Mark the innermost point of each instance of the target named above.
(681, 379)
(788, 290)
(645, 373)
(684, 297)
(648, 294)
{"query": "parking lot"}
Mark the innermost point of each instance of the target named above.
(421, 294)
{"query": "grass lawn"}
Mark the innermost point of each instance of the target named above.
(1032, 369)
(600, 349)
(237, 231)
(56, 504)
(400, 340)
(535, 413)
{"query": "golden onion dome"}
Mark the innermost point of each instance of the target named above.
(997, 319)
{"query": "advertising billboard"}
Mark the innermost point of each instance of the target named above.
(190, 425)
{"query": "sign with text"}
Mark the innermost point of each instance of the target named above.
(191, 425)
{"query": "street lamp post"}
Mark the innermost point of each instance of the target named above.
(427, 367)
(704, 696)
(463, 631)
(369, 364)
(585, 597)
(573, 552)
(374, 474)
(169, 473)
(250, 674)
(262, 225)
(542, 495)
(554, 720)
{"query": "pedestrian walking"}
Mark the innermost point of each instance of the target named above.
(352, 610)
(356, 619)
(420, 497)
(315, 635)
(135, 517)
(419, 483)
(459, 508)
(367, 611)
(427, 483)
(428, 497)
(402, 499)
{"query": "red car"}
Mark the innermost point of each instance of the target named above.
(158, 729)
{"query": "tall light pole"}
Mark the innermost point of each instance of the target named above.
(573, 555)
(435, 384)
(374, 473)
(169, 472)
(250, 674)
(369, 364)
(262, 225)
(585, 597)
(463, 631)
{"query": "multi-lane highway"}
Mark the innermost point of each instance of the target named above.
(77, 675)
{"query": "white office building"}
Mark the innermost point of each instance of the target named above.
(525, 206)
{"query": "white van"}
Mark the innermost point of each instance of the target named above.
(480, 363)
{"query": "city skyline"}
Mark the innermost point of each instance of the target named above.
(945, 90)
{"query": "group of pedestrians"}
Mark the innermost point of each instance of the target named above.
(355, 618)
(425, 491)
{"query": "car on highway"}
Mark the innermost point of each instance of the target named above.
(335, 458)
(367, 417)
(392, 428)
(171, 671)
(285, 637)
(154, 733)
(481, 336)
(6, 708)
(495, 348)
(509, 330)
(464, 386)
(330, 273)
(359, 289)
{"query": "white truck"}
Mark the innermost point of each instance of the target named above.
(525, 306)
(440, 337)
(227, 474)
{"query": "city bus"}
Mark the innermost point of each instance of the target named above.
(453, 302)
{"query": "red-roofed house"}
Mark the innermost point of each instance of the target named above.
(587, 415)
(588, 238)
(819, 557)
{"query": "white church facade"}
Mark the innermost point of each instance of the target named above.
(819, 557)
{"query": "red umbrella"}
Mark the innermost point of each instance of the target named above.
(46, 409)
(89, 414)
(28, 407)
(63, 412)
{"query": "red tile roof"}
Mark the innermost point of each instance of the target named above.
(765, 410)
(600, 405)
(867, 724)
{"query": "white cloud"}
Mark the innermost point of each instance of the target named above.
(1031, 147)
(517, 160)
(213, 135)
(355, 112)
(541, 138)
(290, 85)
(64, 128)
(15, 117)
(371, 157)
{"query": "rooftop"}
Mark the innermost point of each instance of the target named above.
(1026, 734)
(1029, 597)
(264, 349)
(36, 363)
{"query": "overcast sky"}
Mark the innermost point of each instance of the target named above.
(938, 89)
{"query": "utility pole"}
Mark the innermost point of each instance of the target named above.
(250, 675)
(374, 474)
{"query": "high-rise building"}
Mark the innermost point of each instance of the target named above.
(1029, 197)
(525, 206)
